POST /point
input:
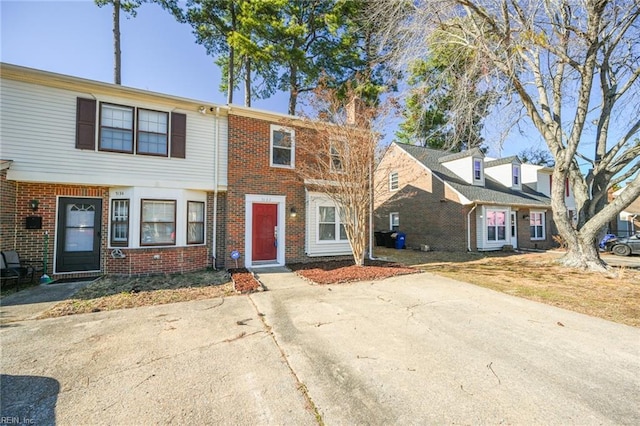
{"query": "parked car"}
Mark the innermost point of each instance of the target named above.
(625, 246)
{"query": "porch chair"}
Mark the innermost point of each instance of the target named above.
(25, 269)
(6, 274)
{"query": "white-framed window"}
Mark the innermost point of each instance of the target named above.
(394, 221)
(337, 152)
(158, 223)
(496, 222)
(195, 222)
(516, 175)
(120, 223)
(537, 225)
(330, 229)
(394, 181)
(282, 147)
(477, 169)
(153, 132)
(116, 128)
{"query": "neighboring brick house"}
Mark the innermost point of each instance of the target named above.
(120, 180)
(462, 201)
(125, 181)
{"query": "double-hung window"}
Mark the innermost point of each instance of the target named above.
(394, 221)
(337, 152)
(116, 128)
(329, 226)
(477, 169)
(195, 222)
(152, 132)
(537, 225)
(120, 223)
(394, 183)
(516, 175)
(282, 147)
(496, 225)
(158, 224)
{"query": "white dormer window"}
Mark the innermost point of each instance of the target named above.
(477, 169)
(516, 175)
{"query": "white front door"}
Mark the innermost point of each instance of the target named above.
(514, 229)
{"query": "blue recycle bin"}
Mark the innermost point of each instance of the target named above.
(400, 238)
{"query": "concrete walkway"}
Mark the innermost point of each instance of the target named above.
(31, 302)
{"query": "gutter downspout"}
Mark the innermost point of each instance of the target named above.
(214, 239)
(371, 256)
(469, 226)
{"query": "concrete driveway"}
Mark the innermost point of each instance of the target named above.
(417, 349)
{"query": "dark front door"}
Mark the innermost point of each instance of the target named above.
(78, 238)
(265, 231)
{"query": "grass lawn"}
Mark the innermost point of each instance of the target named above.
(538, 277)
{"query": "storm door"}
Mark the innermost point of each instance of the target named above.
(78, 235)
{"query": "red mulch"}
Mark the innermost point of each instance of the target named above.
(243, 280)
(337, 272)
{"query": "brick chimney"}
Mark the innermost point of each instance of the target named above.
(355, 116)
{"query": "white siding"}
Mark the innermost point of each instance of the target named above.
(38, 130)
(530, 173)
(503, 174)
(463, 167)
(135, 195)
(544, 183)
(481, 229)
(315, 247)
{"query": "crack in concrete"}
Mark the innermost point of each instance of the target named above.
(299, 384)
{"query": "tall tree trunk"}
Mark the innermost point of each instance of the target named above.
(230, 76)
(247, 81)
(116, 42)
(293, 89)
(582, 251)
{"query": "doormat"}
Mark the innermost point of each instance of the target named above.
(74, 280)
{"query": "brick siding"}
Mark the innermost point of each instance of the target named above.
(250, 173)
(140, 261)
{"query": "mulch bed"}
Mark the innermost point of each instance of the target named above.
(244, 281)
(338, 272)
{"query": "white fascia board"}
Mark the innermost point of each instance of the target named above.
(97, 180)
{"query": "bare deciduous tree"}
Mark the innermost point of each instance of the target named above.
(573, 66)
(337, 158)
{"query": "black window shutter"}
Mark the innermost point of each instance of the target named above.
(178, 135)
(86, 124)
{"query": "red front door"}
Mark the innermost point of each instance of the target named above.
(265, 231)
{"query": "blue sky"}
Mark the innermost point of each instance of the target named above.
(158, 54)
(75, 38)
